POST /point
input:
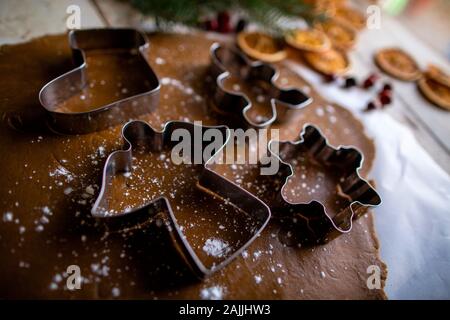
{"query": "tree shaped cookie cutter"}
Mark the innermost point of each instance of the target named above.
(72, 82)
(311, 221)
(136, 133)
(228, 61)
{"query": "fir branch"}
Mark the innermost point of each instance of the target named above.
(267, 13)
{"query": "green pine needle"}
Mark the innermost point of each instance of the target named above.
(267, 13)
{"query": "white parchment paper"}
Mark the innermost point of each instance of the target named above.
(413, 222)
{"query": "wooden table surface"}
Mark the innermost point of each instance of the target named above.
(26, 19)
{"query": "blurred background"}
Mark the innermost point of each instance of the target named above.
(429, 20)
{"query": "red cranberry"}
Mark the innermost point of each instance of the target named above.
(225, 28)
(370, 81)
(367, 84)
(211, 25)
(385, 97)
(374, 77)
(330, 78)
(223, 18)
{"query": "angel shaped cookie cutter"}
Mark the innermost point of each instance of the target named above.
(138, 133)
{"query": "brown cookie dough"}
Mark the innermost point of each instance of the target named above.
(50, 182)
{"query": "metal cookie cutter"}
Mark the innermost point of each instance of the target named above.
(72, 82)
(137, 134)
(228, 61)
(310, 221)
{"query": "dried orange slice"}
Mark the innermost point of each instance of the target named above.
(350, 16)
(261, 46)
(435, 86)
(438, 75)
(325, 7)
(398, 64)
(341, 35)
(331, 62)
(308, 40)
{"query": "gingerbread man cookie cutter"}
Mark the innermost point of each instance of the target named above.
(311, 221)
(67, 85)
(283, 101)
(136, 133)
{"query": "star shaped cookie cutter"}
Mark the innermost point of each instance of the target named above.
(228, 61)
(311, 221)
(138, 133)
(71, 83)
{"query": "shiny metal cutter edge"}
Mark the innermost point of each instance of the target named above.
(343, 222)
(72, 82)
(121, 161)
(288, 99)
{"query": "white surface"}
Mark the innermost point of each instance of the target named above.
(26, 19)
(413, 222)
